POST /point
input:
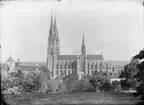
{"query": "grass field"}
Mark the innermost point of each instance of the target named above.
(83, 98)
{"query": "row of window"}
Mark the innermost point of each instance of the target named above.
(63, 72)
(72, 71)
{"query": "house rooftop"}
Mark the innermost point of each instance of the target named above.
(10, 59)
(25, 68)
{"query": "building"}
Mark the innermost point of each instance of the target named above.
(26, 67)
(82, 64)
(10, 63)
(67, 64)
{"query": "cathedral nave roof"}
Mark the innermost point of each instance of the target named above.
(67, 57)
(95, 57)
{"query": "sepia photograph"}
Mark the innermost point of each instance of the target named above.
(72, 52)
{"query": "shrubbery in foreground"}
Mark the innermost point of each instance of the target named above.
(98, 82)
(23, 82)
(37, 82)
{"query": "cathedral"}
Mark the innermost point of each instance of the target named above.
(69, 64)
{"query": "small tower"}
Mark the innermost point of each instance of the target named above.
(11, 63)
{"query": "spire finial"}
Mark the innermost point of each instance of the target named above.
(51, 24)
(83, 42)
(55, 25)
(55, 29)
(83, 49)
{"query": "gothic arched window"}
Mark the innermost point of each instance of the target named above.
(71, 65)
(52, 73)
(61, 66)
(88, 65)
(57, 72)
(57, 66)
(91, 66)
(66, 65)
(61, 72)
(51, 52)
(69, 72)
(88, 71)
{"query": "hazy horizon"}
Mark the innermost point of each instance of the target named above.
(114, 28)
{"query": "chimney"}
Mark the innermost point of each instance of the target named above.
(17, 63)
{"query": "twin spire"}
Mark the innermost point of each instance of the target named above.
(83, 48)
(53, 32)
(83, 41)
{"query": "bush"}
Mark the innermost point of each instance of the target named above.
(116, 86)
(130, 73)
(14, 80)
(31, 82)
(62, 87)
(127, 84)
(106, 87)
(82, 85)
(69, 81)
(5, 85)
(53, 85)
(99, 80)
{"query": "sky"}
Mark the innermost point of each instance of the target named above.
(114, 28)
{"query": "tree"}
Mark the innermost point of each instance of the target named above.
(31, 82)
(106, 87)
(17, 78)
(70, 80)
(99, 80)
(116, 86)
(82, 85)
(45, 76)
(140, 74)
(130, 75)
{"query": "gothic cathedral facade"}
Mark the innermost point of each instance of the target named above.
(68, 64)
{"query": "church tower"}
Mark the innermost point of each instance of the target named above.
(83, 48)
(57, 38)
(83, 56)
(53, 48)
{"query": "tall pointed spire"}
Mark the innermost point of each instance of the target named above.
(51, 24)
(83, 49)
(56, 30)
(51, 29)
(55, 25)
(83, 42)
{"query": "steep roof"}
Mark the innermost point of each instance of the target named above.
(10, 59)
(25, 68)
(95, 57)
(74, 57)
(67, 57)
